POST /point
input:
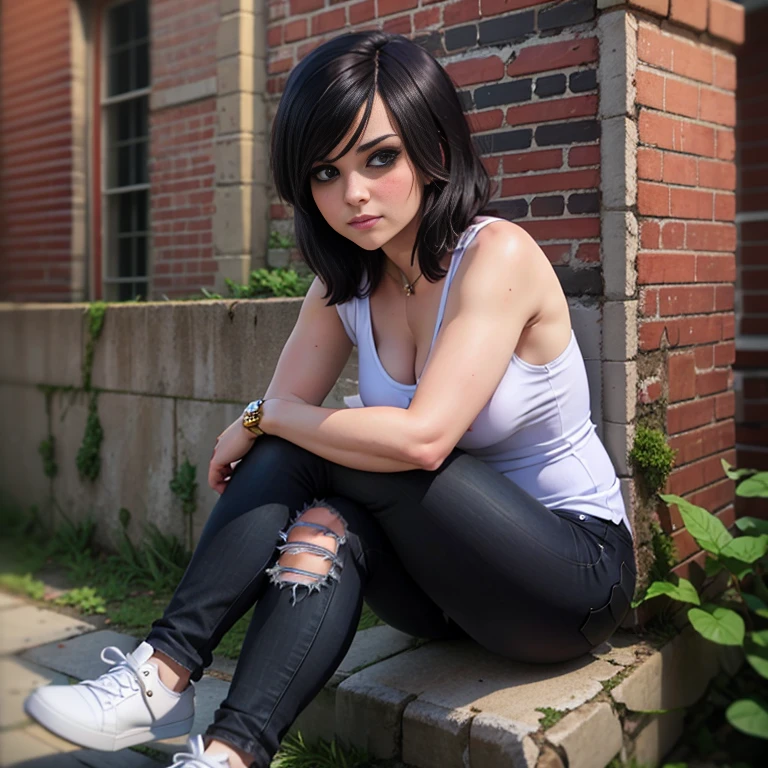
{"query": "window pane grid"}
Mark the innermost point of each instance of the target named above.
(126, 187)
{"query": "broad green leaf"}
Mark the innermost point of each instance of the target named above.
(746, 548)
(752, 526)
(685, 592)
(718, 624)
(757, 655)
(749, 716)
(708, 530)
(736, 567)
(754, 487)
(735, 474)
(755, 604)
(713, 566)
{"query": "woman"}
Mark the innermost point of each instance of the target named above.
(470, 497)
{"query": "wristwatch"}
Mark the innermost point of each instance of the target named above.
(252, 417)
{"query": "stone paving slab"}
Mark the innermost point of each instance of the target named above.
(80, 657)
(17, 680)
(22, 750)
(27, 625)
(591, 736)
(9, 601)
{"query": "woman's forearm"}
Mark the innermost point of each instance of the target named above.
(375, 439)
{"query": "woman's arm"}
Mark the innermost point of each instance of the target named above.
(375, 439)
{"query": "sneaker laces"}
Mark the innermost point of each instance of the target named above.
(197, 757)
(120, 679)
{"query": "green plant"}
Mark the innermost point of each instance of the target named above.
(85, 599)
(551, 716)
(741, 557)
(23, 584)
(184, 487)
(46, 449)
(89, 454)
(652, 458)
(295, 753)
(276, 240)
(264, 283)
(664, 553)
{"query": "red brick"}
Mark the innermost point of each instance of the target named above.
(686, 301)
(691, 13)
(389, 7)
(650, 235)
(660, 268)
(360, 12)
(681, 376)
(725, 142)
(692, 569)
(707, 440)
(725, 353)
(679, 169)
(726, 20)
(691, 204)
(649, 163)
(652, 199)
(550, 182)
(701, 236)
(541, 160)
(558, 253)
(552, 229)
(650, 88)
(495, 7)
(588, 253)
(457, 13)
(680, 135)
(673, 235)
(704, 357)
(724, 298)
(715, 269)
(729, 326)
(275, 36)
(328, 21)
(717, 107)
(543, 58)
(553, 109)
(681, 98)
(712, 381)
(649, 302)
(659, 7)
(725, 70)
(696, 413)
(425, 19)
(485, 121)
(725, 207)
(699, 474)
(717, 175)
(725, 405)
(650, 393)
(589, 155)
(674, 54)
(472, 71)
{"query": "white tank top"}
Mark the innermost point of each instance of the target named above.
(536, 428)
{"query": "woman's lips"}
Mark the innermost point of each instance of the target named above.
(367, 224)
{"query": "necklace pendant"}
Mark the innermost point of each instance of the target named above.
(408, 290)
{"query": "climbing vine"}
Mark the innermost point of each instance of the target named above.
(184, 487)
(89, 455)
(47, 447)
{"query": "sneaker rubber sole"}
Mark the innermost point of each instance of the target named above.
(92, 739)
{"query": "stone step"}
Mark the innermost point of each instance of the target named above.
(451, 704)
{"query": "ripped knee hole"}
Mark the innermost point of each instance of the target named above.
(310, 555)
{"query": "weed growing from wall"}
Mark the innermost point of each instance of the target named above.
(652, 457)
(89, 455)
(184, 487)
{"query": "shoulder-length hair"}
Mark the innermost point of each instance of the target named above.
(322, 97)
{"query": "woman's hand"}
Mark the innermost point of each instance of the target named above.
(231, 445)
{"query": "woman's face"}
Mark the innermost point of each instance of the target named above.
(380, 181)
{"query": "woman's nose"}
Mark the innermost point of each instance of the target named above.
(355, 190)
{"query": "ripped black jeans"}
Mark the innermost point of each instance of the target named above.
(456, 552)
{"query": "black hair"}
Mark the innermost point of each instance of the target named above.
(322, 96)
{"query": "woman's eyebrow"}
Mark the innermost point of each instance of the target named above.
(367, 145)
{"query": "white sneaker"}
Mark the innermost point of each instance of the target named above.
(127, 705)
(196, 759)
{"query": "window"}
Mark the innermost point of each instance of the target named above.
(125, 118)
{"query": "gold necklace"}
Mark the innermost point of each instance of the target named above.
(407, 287)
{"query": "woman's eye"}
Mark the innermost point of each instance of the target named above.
(387, 156)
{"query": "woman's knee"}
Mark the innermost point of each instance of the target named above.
(310, 556)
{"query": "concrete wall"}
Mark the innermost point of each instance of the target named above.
(169, 378)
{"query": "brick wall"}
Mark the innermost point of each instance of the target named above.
(752, 256)
(35, 151)
(686, 265)
(183, 128)
(526, 73)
